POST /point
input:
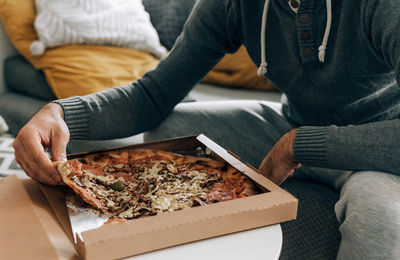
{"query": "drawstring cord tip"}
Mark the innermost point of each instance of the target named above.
(321, 53)
(262, 70)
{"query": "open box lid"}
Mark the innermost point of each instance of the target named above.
(22, 235)
(151, 233)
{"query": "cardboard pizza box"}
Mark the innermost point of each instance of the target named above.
(273, 205)
(29, 227)
(22, 235)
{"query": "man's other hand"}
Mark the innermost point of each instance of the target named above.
(280, 163)
(46, 129)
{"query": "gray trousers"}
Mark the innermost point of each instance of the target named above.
(368, 210)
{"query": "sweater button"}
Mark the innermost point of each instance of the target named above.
(305, 35)
(294, 4)
(305, 18)
(308, 52)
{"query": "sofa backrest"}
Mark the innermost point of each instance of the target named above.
(6, 50)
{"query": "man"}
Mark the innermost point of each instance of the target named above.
(336, 64)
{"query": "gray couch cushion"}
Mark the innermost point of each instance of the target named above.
(20, 76)
(16, 109)
(315, 233)
(168, 17)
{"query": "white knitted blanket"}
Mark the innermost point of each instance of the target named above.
(122, 23)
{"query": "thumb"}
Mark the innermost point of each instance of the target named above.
(59, 146)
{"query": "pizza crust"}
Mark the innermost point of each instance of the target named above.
(64, 168)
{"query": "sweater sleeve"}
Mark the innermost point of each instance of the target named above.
(371, 146)
(212, 29)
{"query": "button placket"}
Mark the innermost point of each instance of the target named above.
(305, 37)
(308, 52)
(305, 18)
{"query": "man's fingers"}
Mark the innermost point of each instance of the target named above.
(277, 177)
(34, 172)
(275, 173)
(46, 127)
(59, 142)
(37, 174)
(37, 163)
(22, 165)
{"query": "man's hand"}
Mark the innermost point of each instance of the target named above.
(280, 163)
(46, 129)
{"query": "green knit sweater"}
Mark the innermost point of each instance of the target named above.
(346, 108)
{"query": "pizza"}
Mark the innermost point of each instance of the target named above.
(133, 183)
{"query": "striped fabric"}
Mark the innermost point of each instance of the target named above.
(122, 23)
(8, 165)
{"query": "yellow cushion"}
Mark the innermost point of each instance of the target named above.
(84, 69)
(17, 17)
(73, 70)
(237, 70)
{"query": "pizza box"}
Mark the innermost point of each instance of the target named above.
(29, 227)
(22, 235)
(273, 205)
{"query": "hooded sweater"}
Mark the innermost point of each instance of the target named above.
(346, 108)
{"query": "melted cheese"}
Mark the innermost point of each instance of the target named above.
(126, 214)
(174, 193)
(151, 173)
(164, 189)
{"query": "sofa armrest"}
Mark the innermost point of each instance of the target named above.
(6, 50)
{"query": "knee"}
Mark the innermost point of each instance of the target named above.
(179, 123)
(369, 213)
(370, 196)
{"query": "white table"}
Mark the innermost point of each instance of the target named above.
(263, 243)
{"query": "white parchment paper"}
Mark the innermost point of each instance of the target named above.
(82, 217)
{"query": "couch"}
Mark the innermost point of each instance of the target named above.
(314, 235)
